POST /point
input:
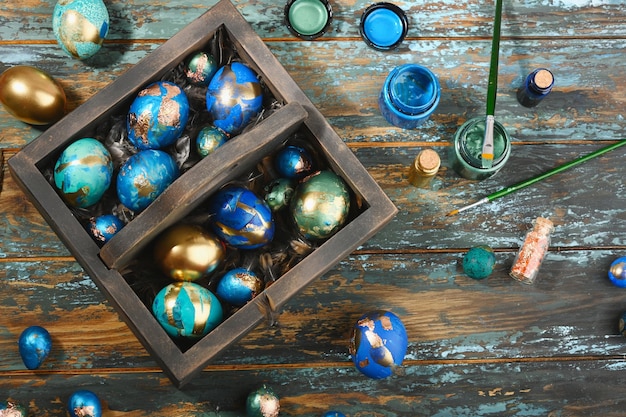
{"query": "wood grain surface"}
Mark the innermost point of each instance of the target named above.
(476, 348)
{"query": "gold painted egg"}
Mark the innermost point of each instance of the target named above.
(31, 95)
(187, 252)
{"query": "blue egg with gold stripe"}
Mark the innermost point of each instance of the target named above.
(240, 218)
(187, 310)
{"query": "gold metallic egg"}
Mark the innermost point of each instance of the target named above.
(187, 252)
(31, 95)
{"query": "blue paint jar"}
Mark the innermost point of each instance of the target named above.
(383, 26)
(536, 87)
(409, 96)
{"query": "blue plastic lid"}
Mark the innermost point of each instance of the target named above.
(383, 26)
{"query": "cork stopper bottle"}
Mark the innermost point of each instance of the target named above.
(424, 168)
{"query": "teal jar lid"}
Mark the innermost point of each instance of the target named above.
(308, 19)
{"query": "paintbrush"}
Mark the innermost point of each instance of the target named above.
(492, 89)
(547, 174)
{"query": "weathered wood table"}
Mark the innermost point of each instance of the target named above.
(476, 348)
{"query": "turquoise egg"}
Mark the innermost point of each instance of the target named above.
(238, 286)
(234, 97)
(186, 309)
(378, 344)
(157, 116)
(83, 403)
(80, 26)
(200, 68)
(83, 172)
(320, 205)
(209, 139)
(144, 176)
(478, 262)
(103, 228)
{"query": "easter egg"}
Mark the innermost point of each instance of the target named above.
(478, 262)
(333, 414)
(209, 139)
(240, 218)
(278, 193)
(34, 345)
(622, 324)
(80, 26)
(187, 252)
(31, 95)
(262, 402)
(200, 68)
(617, 272)
(144, 176)
(157, 116)
(83, 172)
(378, 343)
(320, 205)
(11, 409)
(84, 403)
(103, 228)
(293, 162)
(234, 97)
(187, 310)
(238, 286)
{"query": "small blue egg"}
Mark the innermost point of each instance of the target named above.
(334, 414)
(209, 139)
(240, 218)
(378, 344)
(143, 177)
(187, 310)
(80, 26)
(34, 346)
(157, 116)
(11, 409)
(103, 228)
(238, 286)
(234, 97)
(201, 67)
(293, 162)
(617, 272)
(478, 262)
(83, 172)
(84, 403)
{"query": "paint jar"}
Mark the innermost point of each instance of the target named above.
(466, 155)
(409, 96)
(424, 168)
(536, 87)
(308, 19)
(383, 26)
(533, 251)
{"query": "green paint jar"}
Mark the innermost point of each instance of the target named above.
(308, 19)
(466, 158)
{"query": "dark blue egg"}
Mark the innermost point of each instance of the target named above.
(293, 162)
(378, 344)
(84, 403)
(157, 116)
(103, 228)
(240, 218)
(143, 177)
(34, 346)
(238, 286)
(234, 97)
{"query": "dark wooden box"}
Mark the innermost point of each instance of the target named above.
(228, 162)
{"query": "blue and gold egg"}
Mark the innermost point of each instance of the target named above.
(209, 139)
(103, 228)
(617, 272)
(240, 218)
(84, 403)
(238, 286)
(12, 409)
(293, 162)
(200, 68)
(143, 177)
(187, 310)
(34, 345)
(234, 97)
(83, 172)
(378, 344)
(320, 205)
(80, 26)
(157, 116)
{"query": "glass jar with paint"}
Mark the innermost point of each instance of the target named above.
(383, 26)
(409, 96)
(308, 19)
(536, 87)
(466, 154)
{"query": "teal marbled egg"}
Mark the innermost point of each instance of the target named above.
(83, 172)
(478, 262)
(80, 26)
(186, 309)
(209, 139)
(320, 205)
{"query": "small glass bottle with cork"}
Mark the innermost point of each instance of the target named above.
(536, 87)
(424, 168)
